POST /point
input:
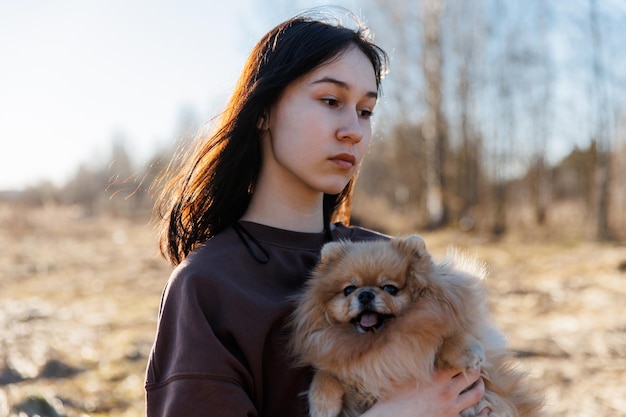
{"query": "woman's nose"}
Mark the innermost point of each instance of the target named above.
(351, 128)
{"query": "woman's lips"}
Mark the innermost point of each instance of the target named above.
(344, 160)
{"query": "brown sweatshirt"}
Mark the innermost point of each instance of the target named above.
(220, 342)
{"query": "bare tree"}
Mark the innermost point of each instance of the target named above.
(435, 127)
(467, 29)
(401, 112)
(505, 41)
(600, 114)
(540, 112)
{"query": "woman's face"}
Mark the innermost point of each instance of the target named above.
(320, 129)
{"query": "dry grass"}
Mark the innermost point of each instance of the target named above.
(79, 297)
(563, 306)
(80, 294)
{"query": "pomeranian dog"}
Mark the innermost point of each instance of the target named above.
(376, 314)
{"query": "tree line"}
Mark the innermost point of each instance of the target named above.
(480, 96)
(495, 116)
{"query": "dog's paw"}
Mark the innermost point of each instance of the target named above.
(323, 412)
(325, 396)
(461, 353)
(474, 355)
(475, 409)
(324, 409)
(482, 404)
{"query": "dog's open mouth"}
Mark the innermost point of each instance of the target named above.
(370, 320)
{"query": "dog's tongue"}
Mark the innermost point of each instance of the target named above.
(368, 320)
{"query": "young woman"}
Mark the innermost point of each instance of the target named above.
(244, 221)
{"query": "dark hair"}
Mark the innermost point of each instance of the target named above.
(213, 188)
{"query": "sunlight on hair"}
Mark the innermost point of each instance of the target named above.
(338, 16)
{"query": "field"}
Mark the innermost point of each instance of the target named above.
(79, 298)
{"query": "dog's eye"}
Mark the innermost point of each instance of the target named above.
(391, 289)
(349, 290)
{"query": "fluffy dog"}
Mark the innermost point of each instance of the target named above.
(376, 314)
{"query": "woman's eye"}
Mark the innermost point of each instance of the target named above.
(332, 102)
(391, 289)
(349, 290)
(366, 114)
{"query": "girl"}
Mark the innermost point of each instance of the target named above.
(244, 221)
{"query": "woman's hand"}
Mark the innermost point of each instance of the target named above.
(445, 395)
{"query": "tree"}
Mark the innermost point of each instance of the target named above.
(418, 119)
(600, 113)
(435, 128)
(540, 112)
(503, 117)
(467, 26)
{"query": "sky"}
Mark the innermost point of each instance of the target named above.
(76, 74)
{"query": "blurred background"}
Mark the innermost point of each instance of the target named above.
(501, 129)
(494, 113)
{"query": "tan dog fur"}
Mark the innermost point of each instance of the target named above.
(436, 315)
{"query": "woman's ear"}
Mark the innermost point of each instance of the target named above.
(263, 123)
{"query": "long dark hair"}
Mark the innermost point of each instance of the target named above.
(213, 187)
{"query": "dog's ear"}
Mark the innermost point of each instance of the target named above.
(331, 251)
(413, 245)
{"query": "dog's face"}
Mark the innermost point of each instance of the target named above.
(365, 286)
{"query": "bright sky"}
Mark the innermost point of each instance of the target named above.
(74, 74)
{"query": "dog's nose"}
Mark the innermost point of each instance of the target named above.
(366, 296)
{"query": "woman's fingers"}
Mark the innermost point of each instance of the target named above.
(470, 388)
(483, 413)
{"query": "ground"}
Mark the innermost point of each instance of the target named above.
(79, 298)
